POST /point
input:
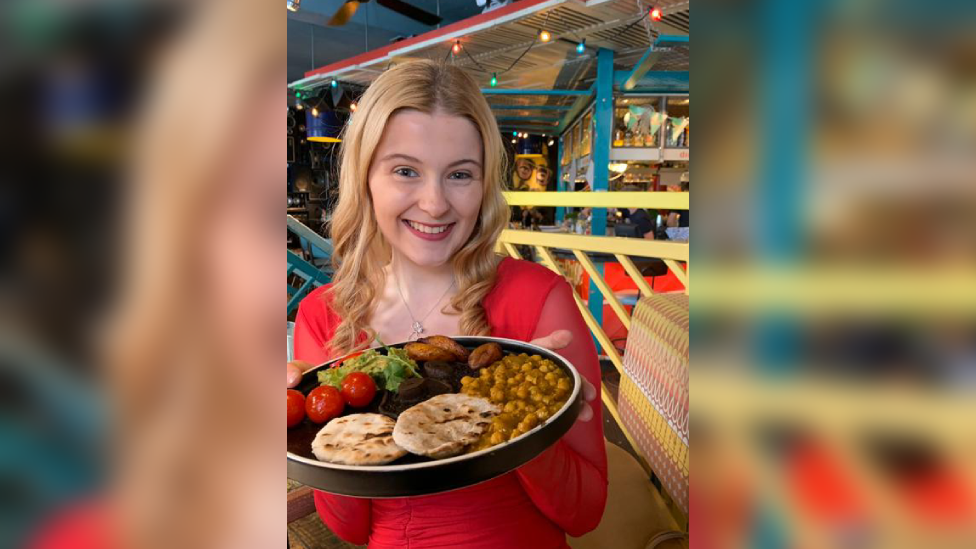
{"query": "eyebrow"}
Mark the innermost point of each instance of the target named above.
(409, 158)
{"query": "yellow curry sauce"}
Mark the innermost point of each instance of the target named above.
(529, 389)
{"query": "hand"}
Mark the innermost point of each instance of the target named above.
(295, 369)
(558, 340)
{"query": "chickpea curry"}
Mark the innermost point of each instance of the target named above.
(530, 389)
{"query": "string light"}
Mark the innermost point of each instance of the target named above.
(551, 141)
(513, 142)
(494, 80)
(656, 14)
(581, 47)
(544, 35)
(315, 112)
(299, 106)
(335, 84)
(515, 134)
(456, 48)
(353, 106)
(298, 95)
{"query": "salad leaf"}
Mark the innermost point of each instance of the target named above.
(388, 371)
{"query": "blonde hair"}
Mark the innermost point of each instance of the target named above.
(360, 250)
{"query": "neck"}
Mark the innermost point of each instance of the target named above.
(418, 280)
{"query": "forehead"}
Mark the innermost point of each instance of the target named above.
(433, 138)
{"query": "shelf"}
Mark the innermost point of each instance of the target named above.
(635, 153)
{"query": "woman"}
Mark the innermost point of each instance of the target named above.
(420, 209)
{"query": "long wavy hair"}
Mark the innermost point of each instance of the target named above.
(360, 250)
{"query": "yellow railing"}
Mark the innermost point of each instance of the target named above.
(623, 249)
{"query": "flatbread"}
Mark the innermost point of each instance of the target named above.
(357, 439)
(443, 425)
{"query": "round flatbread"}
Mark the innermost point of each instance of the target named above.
(443, 425)
(357, 439)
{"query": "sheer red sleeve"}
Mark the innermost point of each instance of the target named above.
(568, 482)
(348, 518)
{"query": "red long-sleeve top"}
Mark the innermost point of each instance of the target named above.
(562, 491)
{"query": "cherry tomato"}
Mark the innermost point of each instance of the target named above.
(358, 389)
(323, 403)
(296, 407)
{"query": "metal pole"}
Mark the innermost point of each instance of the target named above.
(600, 160)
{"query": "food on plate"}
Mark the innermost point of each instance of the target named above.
(357, 439)
(438, 369)
(424, 352)
(529, 390)
(448, 344)
(296, 407)
(324, 403)
(358, 389)
(388, 370)
(413, 391)
(485, 355)
(444, 425)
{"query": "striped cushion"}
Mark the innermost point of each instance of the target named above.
(653, 398)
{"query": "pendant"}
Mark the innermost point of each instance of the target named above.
(417, 328)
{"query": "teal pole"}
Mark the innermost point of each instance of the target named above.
(600, 157)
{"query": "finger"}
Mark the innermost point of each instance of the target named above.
(294, 375)
(554, 341)
(586, 413)
(589, 391)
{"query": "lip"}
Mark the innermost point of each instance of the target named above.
(429, 236)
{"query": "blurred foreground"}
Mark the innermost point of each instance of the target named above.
(834, 312)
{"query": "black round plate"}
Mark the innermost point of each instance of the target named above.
(416, 476)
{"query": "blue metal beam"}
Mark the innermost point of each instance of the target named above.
(670, 39)
(661, 81)
(496, 91)
(642, 67)
(529, 118)
(602, 128)
(530, 107)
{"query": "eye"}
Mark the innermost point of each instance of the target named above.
(405, 172)
(460, 175)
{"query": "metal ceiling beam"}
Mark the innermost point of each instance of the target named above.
(530, 107)
(642, 67)
(660, 81)
(528, 118)
(497, 91)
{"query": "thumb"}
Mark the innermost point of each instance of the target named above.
(554, 341)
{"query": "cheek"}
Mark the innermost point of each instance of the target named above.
(467, 202)
(387, 203)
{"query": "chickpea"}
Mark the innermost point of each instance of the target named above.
(522, 393)
(542, 414)
(497, 395)
(510, 407)
(497, 438)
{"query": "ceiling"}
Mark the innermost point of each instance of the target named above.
(507, 45)
(312, 43)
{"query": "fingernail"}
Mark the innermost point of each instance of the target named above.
(586, 413)
(292, 377)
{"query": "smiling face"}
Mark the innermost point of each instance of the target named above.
(426, 184)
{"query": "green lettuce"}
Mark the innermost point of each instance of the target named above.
(388, 370)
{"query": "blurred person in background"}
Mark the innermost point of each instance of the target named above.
(420, 209)
(639, 217)
(198, 317)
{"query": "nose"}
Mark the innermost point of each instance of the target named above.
(432, 200)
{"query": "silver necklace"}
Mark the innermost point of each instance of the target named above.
(417, 326)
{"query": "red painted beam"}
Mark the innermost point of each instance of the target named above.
(443, 31)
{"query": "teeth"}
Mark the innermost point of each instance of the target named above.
(427, 229)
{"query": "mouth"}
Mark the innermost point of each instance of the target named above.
(428, 231)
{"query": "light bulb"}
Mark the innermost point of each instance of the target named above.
(299, 106)
(656, 14)
(456, 48)
(544, 35)
(315, 111)
(335, 84)
(581, 47)
(494, 80)
(513, 142)
(551, 141)
(353, 106)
